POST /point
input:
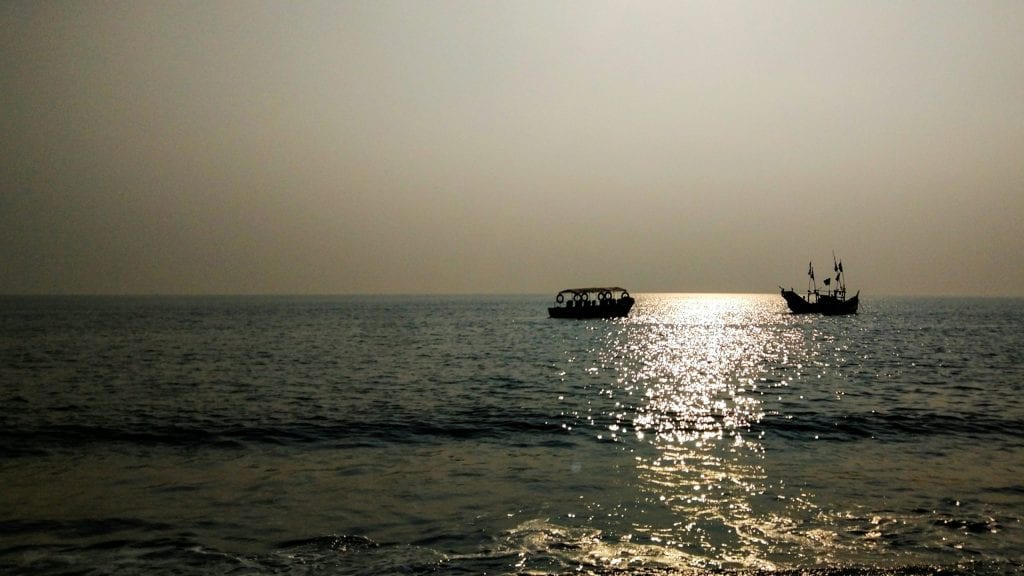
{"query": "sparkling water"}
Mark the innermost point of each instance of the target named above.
(472, 434)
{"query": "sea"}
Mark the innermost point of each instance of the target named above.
(372, 435)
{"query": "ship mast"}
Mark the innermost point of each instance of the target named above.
(837, 267)
(811, 282)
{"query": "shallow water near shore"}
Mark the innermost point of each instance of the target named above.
(472, 434)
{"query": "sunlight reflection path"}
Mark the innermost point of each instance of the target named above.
(697, 362)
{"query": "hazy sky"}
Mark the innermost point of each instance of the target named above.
(521, 146)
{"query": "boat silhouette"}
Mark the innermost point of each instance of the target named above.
(830, 302)
(595, 302)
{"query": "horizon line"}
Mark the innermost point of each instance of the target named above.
(420, 294)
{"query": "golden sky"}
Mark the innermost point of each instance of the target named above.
(521, 146)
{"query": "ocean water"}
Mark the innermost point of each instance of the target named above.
(473, 435)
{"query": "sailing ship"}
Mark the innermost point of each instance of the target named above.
(830, 302)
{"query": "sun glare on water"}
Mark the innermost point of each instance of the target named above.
(696, 367)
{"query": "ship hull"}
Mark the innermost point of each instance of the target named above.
(827, 305)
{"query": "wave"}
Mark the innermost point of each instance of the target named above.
(516, 428)
(38, 441)
(119, 549)
(897, 425)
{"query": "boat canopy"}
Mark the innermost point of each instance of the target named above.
(596, 289)
(601, 292)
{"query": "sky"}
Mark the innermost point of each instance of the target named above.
(422, 146)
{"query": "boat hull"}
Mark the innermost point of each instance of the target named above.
(593, 310)
(836, 307)
(797, 304)
(827, 305)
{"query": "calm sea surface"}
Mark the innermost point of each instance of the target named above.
(472, 435)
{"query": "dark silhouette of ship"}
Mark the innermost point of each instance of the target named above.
(596, 302)
(831, 302)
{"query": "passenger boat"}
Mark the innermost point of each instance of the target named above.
(597, 302)
(831, 302)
